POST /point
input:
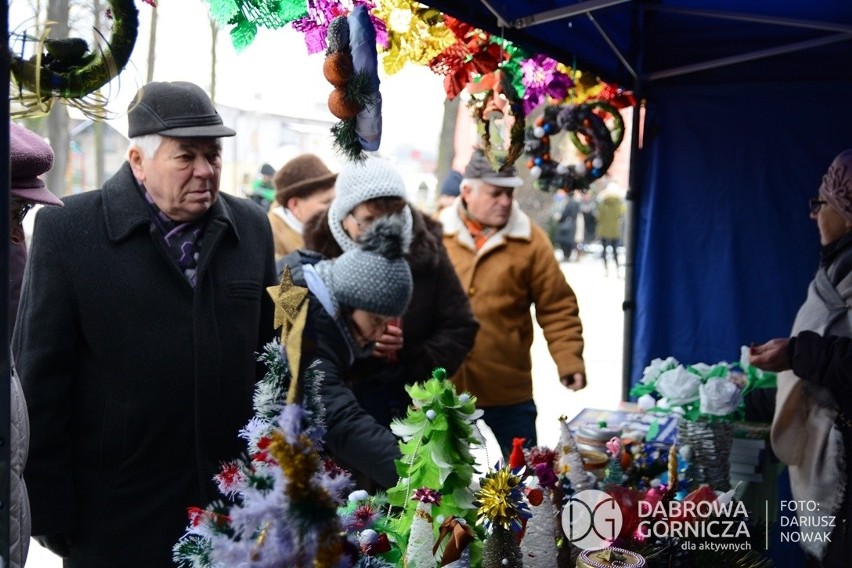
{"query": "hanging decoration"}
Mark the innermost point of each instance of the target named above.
(500, 102)
(351, 66)
(581, 119)
(68, 69)
(542, 78)
(321, 13)
(246, 15)
(473, 55)
(416, 33)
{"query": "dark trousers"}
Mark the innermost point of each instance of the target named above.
(512, 421)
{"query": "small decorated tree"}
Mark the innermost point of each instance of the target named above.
(503, 511)
(437, 435)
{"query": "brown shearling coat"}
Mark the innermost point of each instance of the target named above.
(514, 270)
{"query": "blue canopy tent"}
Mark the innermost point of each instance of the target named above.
(746, 103)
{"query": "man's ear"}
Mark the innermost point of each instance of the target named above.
(292, 203)
(134, 158)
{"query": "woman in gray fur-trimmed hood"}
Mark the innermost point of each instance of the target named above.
(437, 329)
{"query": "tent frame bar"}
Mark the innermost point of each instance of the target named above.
(562, 13)
(733, 60)
(613, 47)
(790, 22)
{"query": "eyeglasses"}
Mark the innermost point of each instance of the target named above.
(815, 204)
(362, 224)
(19, 210)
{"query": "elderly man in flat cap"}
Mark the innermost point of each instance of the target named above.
(812, 426)
(143, 306)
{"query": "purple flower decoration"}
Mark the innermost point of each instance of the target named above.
(320, 15)
(546, 476)
(426, 495)
(541, 78)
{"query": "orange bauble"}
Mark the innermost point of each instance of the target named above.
(338, 68)
(341, 106)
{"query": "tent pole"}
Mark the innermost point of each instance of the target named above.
(633, 202)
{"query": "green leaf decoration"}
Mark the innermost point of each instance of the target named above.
(224, 11)
(290, 10)
(243, 33)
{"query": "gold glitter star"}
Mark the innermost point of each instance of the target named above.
(288, 300)
(291, 314)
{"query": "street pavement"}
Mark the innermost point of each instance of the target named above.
(599, 297)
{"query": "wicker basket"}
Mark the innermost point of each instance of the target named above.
(711, 450)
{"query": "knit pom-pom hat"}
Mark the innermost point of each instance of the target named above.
(362, 181)
(375, 276)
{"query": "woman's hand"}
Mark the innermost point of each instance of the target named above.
(771, 356)
(389, 343)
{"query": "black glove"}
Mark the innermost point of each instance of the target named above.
(59, 544)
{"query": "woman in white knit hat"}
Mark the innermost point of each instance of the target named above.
(438, 328)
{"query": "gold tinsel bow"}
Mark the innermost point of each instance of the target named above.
(415, 33)
(291, 313)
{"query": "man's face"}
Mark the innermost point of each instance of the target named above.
(182, 177)
(488, 204)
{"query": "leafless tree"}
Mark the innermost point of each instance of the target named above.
(152, 46)
(57, 120)
(214, 36)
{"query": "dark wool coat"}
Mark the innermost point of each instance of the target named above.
(353, 438)
(137, 384)
(438, 327)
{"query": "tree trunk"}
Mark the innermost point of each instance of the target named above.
(152, 46)
(446, 140)
(98, 126)
(57, 120)
(214, 37)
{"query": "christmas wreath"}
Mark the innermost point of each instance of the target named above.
(66, 67)
(578, 120)
(500, 101)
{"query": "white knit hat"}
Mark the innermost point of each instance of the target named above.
(362, 181)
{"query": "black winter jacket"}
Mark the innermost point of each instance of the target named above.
(137, 384)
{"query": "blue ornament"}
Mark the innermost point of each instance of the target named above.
(538, 161)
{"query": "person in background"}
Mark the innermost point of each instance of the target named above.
(450, 189)
(304, 186)
(566, 228)
(29, 157)
(608, 227)
(143, 306)
(812, 426)
(506, 264)
(351, 300)
(262, 190)
(437, 329)
(589, 210)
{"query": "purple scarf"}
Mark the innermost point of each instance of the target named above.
(183, 239)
